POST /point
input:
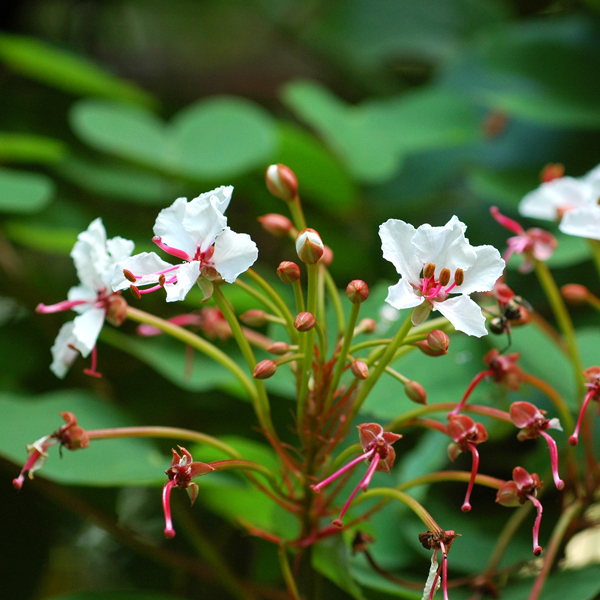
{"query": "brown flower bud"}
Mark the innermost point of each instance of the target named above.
(264, 369)
(359, 369)
(254, 318)
(309, 246)
(416, 392)
(366, 326)
(304, 321)
(276, 224)
(288, 271)
(327, 257)
(357, 291)
(116, 311)
(574, 293)
(438, 341)
(552, 171)
(278, 348)
(281, 182)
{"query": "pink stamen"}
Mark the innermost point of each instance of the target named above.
(537, 549)
(437, 576)
(60, 306)
(466, 507)
(574, 439)
(92, 370)
(166, 500)
(444, 571)
(471, 387)
(506, 222)
(346, 467)
(558, 482)
(170, 250)
(366, 480)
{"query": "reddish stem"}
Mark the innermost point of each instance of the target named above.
(471, 387)
(466, 507)
(166, 500)
(560, 484)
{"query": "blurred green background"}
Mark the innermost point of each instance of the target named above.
(384, 109)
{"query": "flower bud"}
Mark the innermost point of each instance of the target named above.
(276, 224)
(552, 171)
(366, 326)
(282, 182)
(279, 348)
(438, 341)
(305, 321)
(574, 293)
(288, 271)
(264, 369)
(116, 311)
(359, 369)
(309, 246)
(357, 291)
(416, 392)
(327, 257)
(254, 318)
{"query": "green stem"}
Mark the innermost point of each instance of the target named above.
(567, 516)
(383, 362)
(561, 314)
(341, 361)
(163, 432)
(336, 301)
(595, 248)
(287, 573)
(295, 209)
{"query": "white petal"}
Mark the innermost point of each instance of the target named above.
(63, 356)
(169, 227)
(446, 247)
(219, 197)
(87, 329)
(82, 292)
(119, 248)
(203, 222)
(402, 295)
(234, 254)
(464, 314)
(484, 272)
(555, 424)
(187, 275)
(583, 222)
(89, 254)
(396, 243)
(146, 264)
(564, 193)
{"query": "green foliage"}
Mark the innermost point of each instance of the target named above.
(24, 192)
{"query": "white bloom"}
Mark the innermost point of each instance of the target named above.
(95, 258)
(435, 262)
(197, 233)
(572, 201)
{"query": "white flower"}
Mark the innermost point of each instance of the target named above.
(95, 258)
(196, 232)
(437, 261)
(572, 201)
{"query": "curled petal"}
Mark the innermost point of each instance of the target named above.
(63, 353)
(234, 254)
(464, 314)
(396, 243)
(508, 494)
(582, 222)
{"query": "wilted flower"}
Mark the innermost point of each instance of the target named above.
(95, 258)
(521, 488)
(377, 451)
(435, 262)
(439, 540)
(197, 233)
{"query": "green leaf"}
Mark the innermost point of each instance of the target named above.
(330, 558)
(221, 137)
(118, 462)
(587, 341)
(117, 181)
(24, 192)
(373, 137)
(504, 188)
(39, 237)
(23, 147)
(169, 358)
(211, 139)
(322, 179)
(66, 71)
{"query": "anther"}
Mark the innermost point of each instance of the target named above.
(445, 277)
(129, 276)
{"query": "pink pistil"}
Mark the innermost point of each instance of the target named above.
(166, 500)
(170, 250)
(60, 306)
(510, 224)
(537, 549)
(444, 570)
(560, 484)
(92, 372)
(471, 387)
(466, 507)
(317, 487)
(574, 439)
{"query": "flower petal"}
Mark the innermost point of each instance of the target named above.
(402, 295)
(187, 275)
(89, 254)
(87, 329)
(63, 356)
(446, 247)
(561, 194)
(234, 254)
(82, 292)
(464, 314)
(169, 227)
(582, 222)
(219, 197)
(484, 272)
(146, 264)
(203, 222)
(396, 243)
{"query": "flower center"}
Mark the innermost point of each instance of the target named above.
(432, 288)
